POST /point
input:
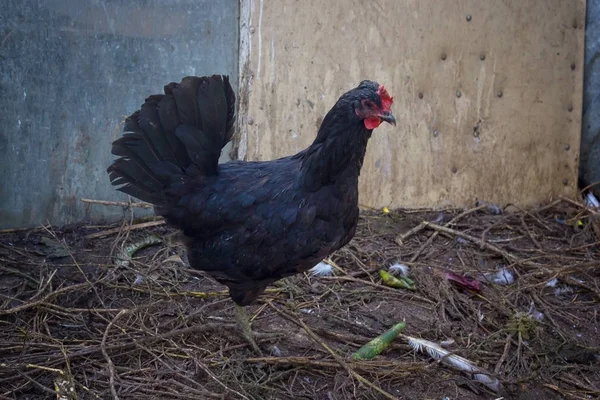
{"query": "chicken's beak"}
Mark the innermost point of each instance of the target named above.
(388, 117)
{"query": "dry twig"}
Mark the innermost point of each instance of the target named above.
(118, 203)
(128, 228)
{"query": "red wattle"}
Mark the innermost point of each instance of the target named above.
(372, 123)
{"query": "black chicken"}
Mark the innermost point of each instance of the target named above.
(247, 224)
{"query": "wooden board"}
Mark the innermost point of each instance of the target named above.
(487, 93)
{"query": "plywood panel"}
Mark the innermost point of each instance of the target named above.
(510, 135)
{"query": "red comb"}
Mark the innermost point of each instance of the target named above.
(386, 99)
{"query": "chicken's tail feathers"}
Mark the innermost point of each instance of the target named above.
(173, 138)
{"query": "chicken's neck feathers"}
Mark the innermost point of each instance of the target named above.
(337, 154)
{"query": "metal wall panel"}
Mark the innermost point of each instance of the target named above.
(590, 132)
(71, 70)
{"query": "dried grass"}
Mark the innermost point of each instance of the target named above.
(156, 329)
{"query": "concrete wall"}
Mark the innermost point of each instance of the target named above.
(448, 149)
(71, 70)
(590, 134)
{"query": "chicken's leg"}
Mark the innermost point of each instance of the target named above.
(243, 320)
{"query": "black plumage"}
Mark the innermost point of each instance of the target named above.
(246, 224)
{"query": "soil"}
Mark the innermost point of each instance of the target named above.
(78, 320)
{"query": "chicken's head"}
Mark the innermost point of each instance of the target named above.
(372, 104)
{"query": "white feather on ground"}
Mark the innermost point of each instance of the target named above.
(139, 278)
(438, 353)
(321, 269)
(501, 277)
(591, 201)
(559, 290)
(536, 315)
(552, 282)
(399, 269)
(563, 290)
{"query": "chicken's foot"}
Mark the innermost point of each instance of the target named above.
(243, 320)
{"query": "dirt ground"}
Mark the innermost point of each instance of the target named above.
(78, 320)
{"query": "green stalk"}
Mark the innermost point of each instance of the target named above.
(380, 343)
(125, 256)
(391, 281)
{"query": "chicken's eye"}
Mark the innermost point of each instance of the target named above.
(368, 104)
